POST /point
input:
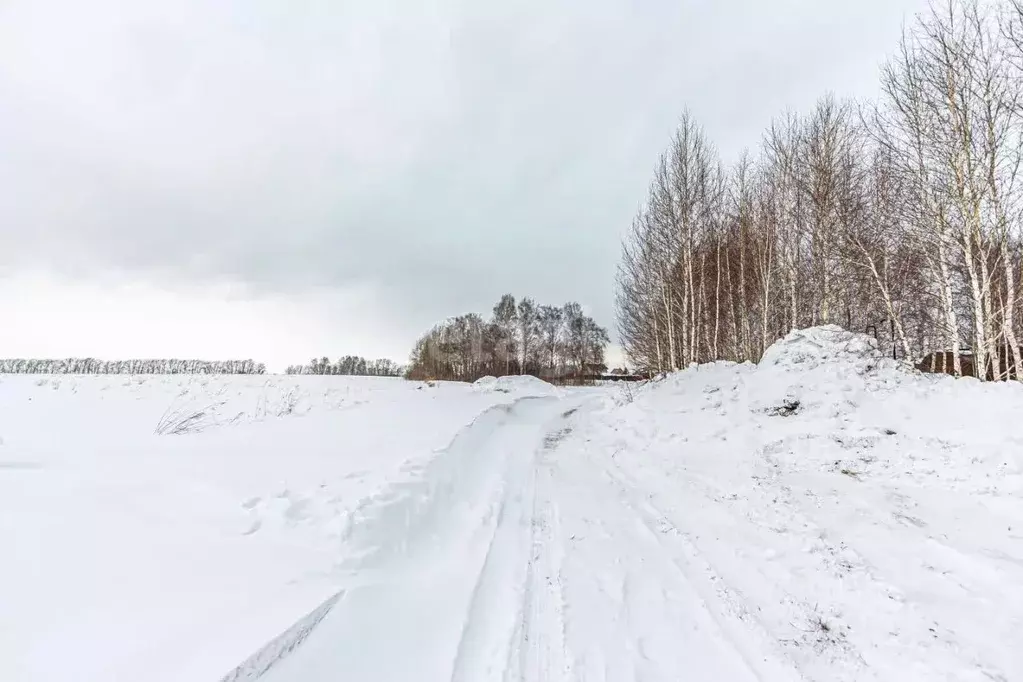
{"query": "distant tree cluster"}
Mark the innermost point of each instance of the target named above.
(349, 365)
(903, 215)
(151, 366)
(546, 341)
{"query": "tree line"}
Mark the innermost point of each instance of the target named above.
(150, 366)
(349, 365)
(551, 342)
(900, 215)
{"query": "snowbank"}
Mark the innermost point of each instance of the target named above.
(864, 517)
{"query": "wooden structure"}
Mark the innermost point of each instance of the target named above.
(943, 362)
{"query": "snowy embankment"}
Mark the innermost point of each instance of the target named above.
(827, 515)
(863, 521)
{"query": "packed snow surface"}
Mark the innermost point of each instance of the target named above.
(826, 515)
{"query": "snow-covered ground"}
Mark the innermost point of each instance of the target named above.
(827, 515)
(128, 555)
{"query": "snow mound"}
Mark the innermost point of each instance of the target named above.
(824, 369)
(519, 385)
(805, 349)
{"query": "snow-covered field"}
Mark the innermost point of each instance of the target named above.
(828, 515)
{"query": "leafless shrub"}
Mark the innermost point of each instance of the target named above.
(188, 419)
(188, 415)
(288, 403)
(261, 406)
(820, 633)
(823, 634)
(625, 394)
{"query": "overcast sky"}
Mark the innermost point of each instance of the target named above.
(288, 178)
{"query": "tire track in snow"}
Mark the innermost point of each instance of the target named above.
(632, 614)
(487, 635)
(827, 552)
(514, 630)
(435, 585)
(749, 637)
(540, 655)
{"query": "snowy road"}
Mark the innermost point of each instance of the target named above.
(827, 515)
(474, 569)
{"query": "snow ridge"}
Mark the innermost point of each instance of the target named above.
(274, 652)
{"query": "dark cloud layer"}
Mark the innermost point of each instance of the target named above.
(442, 154)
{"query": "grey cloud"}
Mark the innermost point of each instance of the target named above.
(446, 154)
